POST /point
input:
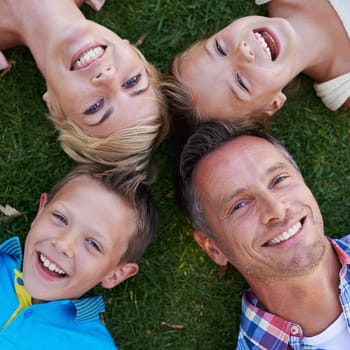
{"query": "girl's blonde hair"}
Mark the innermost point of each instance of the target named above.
(129, 148)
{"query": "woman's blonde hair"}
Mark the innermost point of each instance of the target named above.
(129, 148)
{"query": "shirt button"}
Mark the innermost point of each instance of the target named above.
(20, 281)
(28, 313)
(294, 330)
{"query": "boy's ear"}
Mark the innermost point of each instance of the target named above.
(208, 245)
(120, 274)
(42, 204)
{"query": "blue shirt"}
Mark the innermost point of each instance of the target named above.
(260, 329)
(68, 324)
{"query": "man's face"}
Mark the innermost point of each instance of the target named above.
(264, 218)
(77, 240)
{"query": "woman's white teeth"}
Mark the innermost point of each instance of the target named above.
(263, 44)
(88, 56)
(285, 235)
(51, 266)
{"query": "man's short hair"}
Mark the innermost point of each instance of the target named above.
(208, 138)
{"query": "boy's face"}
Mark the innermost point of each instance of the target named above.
(76, 241)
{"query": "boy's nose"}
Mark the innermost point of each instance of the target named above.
(245, 52)
(64, 244)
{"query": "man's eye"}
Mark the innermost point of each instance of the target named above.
(60, 218)
(279, 179)
(238, 206)
(94, 108)
(241, 83)
(219, 49)
(132, 81)
(94, 244)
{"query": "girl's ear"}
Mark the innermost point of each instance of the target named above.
(208, 245)
(275, 105)
(119, 274)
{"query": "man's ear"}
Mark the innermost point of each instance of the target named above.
(270, 109)
(208, 245)
(42, 204)
(119, 274)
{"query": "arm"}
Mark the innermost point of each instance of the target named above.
(95, 4)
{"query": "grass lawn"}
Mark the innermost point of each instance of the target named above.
(180, 299)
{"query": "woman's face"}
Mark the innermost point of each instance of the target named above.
(241, 70)
(98, 79)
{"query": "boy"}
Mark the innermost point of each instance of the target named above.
(89, 229)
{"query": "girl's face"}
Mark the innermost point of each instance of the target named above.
(241, 70)
(98, 79)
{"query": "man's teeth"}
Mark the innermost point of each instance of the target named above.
(285, 235)
(263, 44)
(88, 56)
(51, 266)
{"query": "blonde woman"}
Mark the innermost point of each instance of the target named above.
(240, 71)
(102, 95)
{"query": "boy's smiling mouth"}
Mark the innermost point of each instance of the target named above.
(50, 267)
(267, 42)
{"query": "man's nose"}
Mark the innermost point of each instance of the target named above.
(272, 208)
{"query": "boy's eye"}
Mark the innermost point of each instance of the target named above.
(60, 218)
(94, 244)
(132, 81)
(219, 49)
(94, 108)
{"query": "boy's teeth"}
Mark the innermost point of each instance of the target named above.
(285, 235)
(263, 44)
(51, 266)
(87, 57)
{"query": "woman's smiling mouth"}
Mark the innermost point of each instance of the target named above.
(85, 58)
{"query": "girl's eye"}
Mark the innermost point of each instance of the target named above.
(60, 218)
(94, 244)
(241, 83)
(219, 49)
(132, 81)
(94, 108)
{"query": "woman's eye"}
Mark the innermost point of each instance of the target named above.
(94, 108)
(219, 49)
(60, 218)
(132, 81)
(94, 244)
(241, 83)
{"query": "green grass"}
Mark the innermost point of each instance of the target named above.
(177, 283)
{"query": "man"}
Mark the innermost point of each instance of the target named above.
(250, 207)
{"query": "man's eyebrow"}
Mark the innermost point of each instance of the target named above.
(105, 116)
(237, 192)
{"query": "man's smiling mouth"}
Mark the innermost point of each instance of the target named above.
(87, 57)
(284, 236)
(267, 42)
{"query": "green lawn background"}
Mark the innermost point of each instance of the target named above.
(179, 299)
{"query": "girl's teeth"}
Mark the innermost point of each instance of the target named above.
(263, 44)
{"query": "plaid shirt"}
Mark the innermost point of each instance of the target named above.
(261, 330)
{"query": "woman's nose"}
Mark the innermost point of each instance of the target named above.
(105, 75)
